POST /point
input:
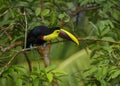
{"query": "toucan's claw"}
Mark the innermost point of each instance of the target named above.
(31, 47)
(44, 45)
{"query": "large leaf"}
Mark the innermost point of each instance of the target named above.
(45, 12)
(50, 77)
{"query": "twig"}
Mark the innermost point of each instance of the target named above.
(10, 61)
(116, 7)
(28, 61)
(80, 39)
(89, 8)
(4, 49)
(8, 64)
(3, 13)
(83, 9)
(25, 54)
(41, 7)
(26, 27)
(8, 35)
(80, 9)
(4, 30)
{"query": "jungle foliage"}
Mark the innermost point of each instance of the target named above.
(96, 23)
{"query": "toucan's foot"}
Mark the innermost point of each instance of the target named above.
(44, 45)
(31, 47)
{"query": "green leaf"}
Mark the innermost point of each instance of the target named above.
(61, 16)
(18, 82)
(106, 31)
(37, 11)
(102, 13)
(84, 2)
(16, 38)
(115, 74)
(45, 12)
(67, 20)
(110, 23)
(115, 14)
(104, 71)
(107, 7)
(93, 25)
(59, 72)
(53, 18)
(90, 71)
(101, 25)
(12, 13)
(22, 3)
(50, 68)
(36, 82)
(71, 6)
(28, 84)
(33, 76)
(50, 77)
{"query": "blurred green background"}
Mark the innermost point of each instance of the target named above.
(95, 62)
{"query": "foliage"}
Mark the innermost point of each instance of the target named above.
(39, 77)
(95, 19)
(104, 24)
(16, 17)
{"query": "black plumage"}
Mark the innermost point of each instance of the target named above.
(35, 36)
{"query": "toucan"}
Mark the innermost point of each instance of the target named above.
(41, 34)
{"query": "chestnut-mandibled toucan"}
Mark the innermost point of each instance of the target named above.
(40, 34)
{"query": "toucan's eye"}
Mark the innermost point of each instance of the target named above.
(57, 31)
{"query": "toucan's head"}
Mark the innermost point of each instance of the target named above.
(59, 32)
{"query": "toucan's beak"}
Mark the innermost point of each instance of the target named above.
(67, 35)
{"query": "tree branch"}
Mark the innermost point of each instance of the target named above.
(25, 54)
(4, 49)
(26, 49)
(28, 61)
(80, 9)
(44, 52)
(8, 35)
(15, 44)
(88, 8)
(26, 28)
(41, 7)
(93, 39)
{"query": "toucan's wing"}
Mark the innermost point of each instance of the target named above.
(30, 41)
(34, 35)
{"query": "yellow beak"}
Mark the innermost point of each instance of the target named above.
(67, 35)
